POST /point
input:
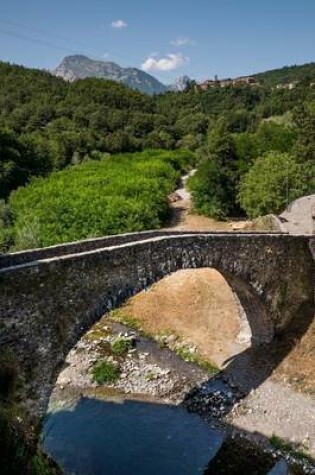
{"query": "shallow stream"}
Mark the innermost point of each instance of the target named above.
(97, 437)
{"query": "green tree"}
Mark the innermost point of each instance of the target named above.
(304, 118)
(214, 185)
(272, 183)
(273, 136)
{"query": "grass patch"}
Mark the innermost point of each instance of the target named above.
(119, 316)
(150, 376)
(105, 372)
(166, 339)
(284, 446)
(97, 333)
(121, 345)
(185, 353)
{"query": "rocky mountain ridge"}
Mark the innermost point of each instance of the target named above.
(79, 67)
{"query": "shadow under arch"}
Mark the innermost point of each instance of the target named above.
(251, 367)
(252, 309)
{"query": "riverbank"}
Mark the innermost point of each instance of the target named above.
(278, 389)
(151, 373)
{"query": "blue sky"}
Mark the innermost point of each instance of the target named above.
(167, 38)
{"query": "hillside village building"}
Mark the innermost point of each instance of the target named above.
(244, 80)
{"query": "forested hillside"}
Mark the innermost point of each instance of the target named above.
(47, 123)
(242, 136)
(288, 74)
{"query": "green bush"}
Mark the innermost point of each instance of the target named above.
(121, 345)
(105, 372)
(6, 230)
(123, 193)
(273, 182)
(185, 354)
(6, 239)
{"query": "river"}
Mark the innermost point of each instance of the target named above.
(96, 437)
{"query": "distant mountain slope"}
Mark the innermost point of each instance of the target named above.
(180, 84)
(81, 67)
(287, 74)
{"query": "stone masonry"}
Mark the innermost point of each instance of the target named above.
(49, 298)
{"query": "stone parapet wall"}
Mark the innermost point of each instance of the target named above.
(22, 257)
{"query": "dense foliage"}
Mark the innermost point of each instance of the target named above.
(261, 171)
(277, 178)
(238, 133)
(273, 182)
(214, 184)
(47, 123)
(288, 74)
(117, 194)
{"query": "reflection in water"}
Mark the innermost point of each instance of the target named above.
(102, 437)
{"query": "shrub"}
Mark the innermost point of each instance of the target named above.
(105, 372)
(121, 345)
(185, 354)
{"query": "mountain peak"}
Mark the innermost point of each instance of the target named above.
(180, 84)
(79, 66)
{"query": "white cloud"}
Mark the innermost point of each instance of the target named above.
(182, 42)
(119, 24)
(168, 63)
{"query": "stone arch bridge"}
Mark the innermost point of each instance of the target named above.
(50, 297)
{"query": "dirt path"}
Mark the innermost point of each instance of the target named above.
(184, 219)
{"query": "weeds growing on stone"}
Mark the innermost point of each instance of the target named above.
(121, 345)
(119, 316)
(150, 376)
(185, 353)
(105, 372)
(284, 446)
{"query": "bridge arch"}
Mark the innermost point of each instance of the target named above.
(48, 303)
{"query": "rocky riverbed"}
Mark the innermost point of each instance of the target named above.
(167, 371)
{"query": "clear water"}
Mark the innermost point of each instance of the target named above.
(99, 437)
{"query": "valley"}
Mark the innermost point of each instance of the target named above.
(157, 272)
